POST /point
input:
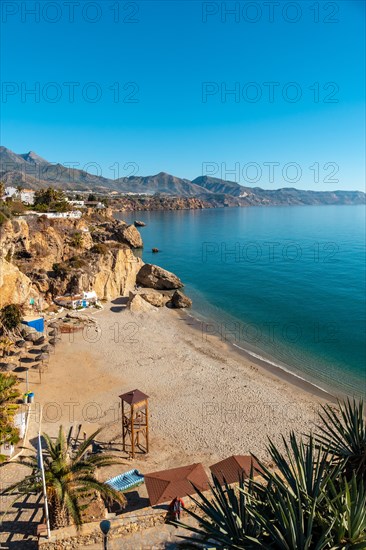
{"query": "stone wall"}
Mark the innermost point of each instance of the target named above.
(67, 538)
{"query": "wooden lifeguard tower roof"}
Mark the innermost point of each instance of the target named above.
(133, 397)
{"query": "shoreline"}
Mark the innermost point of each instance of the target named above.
(207, 400)
(266, 364)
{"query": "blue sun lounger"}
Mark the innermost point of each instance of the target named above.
(126, 481)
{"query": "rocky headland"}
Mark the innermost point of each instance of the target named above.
(45, 258)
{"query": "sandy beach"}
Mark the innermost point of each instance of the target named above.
(206, 400)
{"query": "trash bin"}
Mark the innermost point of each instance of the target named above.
(30, 397)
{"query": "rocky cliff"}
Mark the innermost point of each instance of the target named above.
(45, 257)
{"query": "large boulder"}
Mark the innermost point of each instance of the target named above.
(136, 304)
(179, 300)
(153, 276)
(115, 274)
(154, 297)
(129, 235)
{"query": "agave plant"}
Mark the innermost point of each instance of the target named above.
(347, 505)
(302, 504)
(70, 478)
(225, 518)
(344, 433)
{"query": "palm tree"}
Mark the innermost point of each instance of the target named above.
(344, 433)
(9, 394)
(70, 478)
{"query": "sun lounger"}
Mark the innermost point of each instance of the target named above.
(126, 481)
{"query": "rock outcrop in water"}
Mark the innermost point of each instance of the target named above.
(180, 300)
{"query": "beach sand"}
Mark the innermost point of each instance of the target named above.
(206, 400)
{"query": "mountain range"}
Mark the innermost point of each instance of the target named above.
(34, 172)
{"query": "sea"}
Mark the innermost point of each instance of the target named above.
(285, 284)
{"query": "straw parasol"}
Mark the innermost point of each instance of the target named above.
(7, 367)
(165, 485)
(42, 357)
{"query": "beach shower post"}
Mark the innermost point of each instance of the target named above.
(105, 526)
(135, 421)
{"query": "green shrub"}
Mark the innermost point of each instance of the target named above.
(11, 315)
(77, 262)
(77, 239)
(99, 248)
(5, 213)
(60, 269)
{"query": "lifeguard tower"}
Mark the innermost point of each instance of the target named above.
(135, 422)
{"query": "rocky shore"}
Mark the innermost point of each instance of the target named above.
(137, 204)
(43, 258)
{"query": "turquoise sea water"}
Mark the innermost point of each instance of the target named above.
(284, 283)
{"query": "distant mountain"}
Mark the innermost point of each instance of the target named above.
(31, 170)
(33, 158)
(160, 183)
(215, 185)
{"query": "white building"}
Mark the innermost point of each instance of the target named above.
(73, 214)
(78, 301)
(81, 204)
(25, 195)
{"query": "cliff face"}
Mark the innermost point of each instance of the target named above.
(42, 257)
(161, 203)
(15, 287)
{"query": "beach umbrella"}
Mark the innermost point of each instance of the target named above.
(26, 359)
(165, 485)
(42, 357)
(20, 369)
(20, 343)
(32, 337)
(6, 367)
(231, 469)
(45, 348)
(14, 353)
(52, 341)
(40, 341)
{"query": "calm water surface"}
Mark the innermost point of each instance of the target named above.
(285, 283)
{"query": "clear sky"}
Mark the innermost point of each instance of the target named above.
(142, 87)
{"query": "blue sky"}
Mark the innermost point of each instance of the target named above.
(173, 62)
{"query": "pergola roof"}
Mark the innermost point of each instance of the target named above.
(232, 468)
(165, 485)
